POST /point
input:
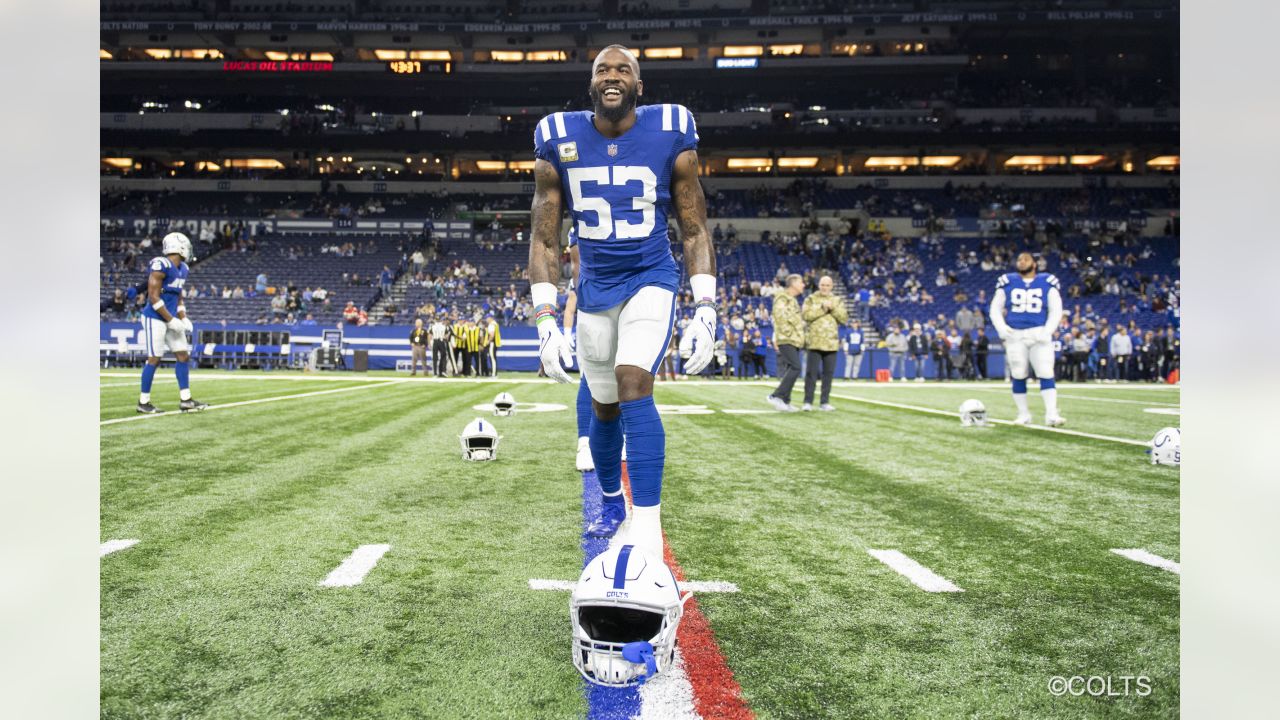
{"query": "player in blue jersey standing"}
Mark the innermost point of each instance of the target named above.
(620, 170)
(165, 324)
(1025, 311)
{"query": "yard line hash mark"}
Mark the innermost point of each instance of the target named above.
(1146, 558)
(223, 406)
(111, 546)
(358, 564)
(707, 586)
(921, 576)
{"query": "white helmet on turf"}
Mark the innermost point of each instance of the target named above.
(625, 611)
(1166, 447)
(479, 440)
(504, 404)
(176, 242)
(973, 413)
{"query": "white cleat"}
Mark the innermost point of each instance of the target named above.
(778, 403)
(1024, 419)
(807, 407)
(1055, 420)
(585, 461)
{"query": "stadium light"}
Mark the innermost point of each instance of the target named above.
(743, 50)
(1165, 161)
(941, 160)
(667, 53)
(1034, 160)
(391, 54)
(506, 55)
(797, 162)
(490, 165)
(749, 163)
(891, 161)
(795, 49)
(1087, 159)
(434, 55)
(122, 163)
(545, 56)
(103, 54)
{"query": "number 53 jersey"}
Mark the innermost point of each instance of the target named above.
(618, 191)
(1027, 300)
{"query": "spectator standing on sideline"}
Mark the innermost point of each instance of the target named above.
(758, 360)
(1121, 352)
(1102, 348)
(824, 312)
(918, 346)
(788, 338)
(897, 345)
(982, 348)
(439, 346)
(1080, 349)
(966, 356)
(418, 344)
(852, 350)
(941, 356)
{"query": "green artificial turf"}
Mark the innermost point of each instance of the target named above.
(240, 512)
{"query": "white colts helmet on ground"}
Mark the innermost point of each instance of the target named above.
(176, 242)
(625, 611)
(479, 440)
(973, 413)
(504, 404)
(1166, 447)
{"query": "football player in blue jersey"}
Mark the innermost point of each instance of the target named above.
(165, 324)
(620, 170)
(1025, 311)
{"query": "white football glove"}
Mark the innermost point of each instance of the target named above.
(186, 324)
(553, 348)
(698, 343)
(571, 337)
(175, 324)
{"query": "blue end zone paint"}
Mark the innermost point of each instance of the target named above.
(602, 703)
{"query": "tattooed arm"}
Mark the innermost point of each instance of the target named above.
(691, 214)
(544, 270)
(544, 242)
(699, 261)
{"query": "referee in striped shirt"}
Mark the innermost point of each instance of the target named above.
(439, 334)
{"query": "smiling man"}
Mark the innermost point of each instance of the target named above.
(620, 170)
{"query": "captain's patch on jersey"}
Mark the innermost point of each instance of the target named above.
(568, 151)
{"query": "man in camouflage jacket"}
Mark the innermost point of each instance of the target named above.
(788, 338)
(825, 312)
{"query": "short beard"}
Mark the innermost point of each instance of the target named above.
(614, 115)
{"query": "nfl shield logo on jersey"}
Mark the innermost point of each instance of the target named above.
(613, 150)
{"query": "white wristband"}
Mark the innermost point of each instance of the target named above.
(544, 293)
(703, 286)
(157, 305)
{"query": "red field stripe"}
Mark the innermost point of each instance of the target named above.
(716, 695)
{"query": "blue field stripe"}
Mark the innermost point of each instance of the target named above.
(602, 703)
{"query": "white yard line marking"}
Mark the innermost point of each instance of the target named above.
(706, 586)
(669, 696)
(203, 377)
(734, 411)
(1041, 428)
(358, 564)
(240, 403)
(1146, 558)
(111, 546)
(921, 576)
(1072, 396)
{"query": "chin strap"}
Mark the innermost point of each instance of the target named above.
(641, 652)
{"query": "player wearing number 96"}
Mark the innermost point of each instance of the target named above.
(1033, 304)
(620, 170)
